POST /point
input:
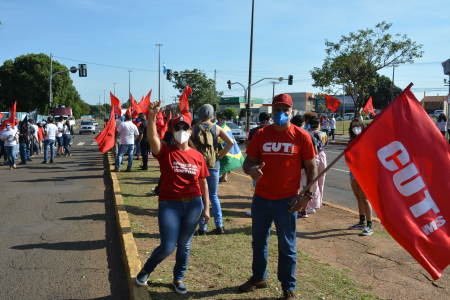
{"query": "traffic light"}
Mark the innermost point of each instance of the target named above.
(82, 70)
(290, 79)
(169, 74)
(229, 84)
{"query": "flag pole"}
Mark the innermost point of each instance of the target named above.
(322, 173)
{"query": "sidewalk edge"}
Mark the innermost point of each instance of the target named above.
(129, 249)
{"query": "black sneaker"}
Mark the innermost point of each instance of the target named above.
(142, 278)
(358, 226)
(29, 159)
(200, 232)
(23, 163)
(219, 231)
(180, 287)
(366, 232)
(51, 161)
(44, 162)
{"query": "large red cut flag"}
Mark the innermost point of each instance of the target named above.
(116, 106)
(369, 107)
(184, 103)
(159, 120)
(332, 103)
(135, 108)
(402, 163)
(106, 139)
(12, 117)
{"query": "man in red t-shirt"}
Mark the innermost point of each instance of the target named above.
(282, 147)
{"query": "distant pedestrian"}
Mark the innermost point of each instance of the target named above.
(50, 132)
(332, 126)
(23, 142)
(59, 136)
(34, 149)
(128, 133)
(205, 139)
(325, 126)
(137, 146)
(40, 136)
(67, 137)
(10, 139)
(183, 200)
(442, 123)
(364, 206)
(143, 141)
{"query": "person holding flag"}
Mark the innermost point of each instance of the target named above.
(128, 133)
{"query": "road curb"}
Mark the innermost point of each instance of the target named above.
(324, 202)
(129, 249)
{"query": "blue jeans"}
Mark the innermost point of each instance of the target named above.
(16, 151)
(122, 150)
(213, 184)
(60, 141)
(137, 146)
(264, 213)
(50, 143)
(10, 155)
(145, 148)
(23, 152)
(67, 139)
(177, 222)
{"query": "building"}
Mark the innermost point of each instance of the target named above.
(433, 103)
(303, 102)
(239, 103)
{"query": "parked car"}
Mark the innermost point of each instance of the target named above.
(438, 112)
(349, 116)
(252, 125)
(238, 134)
(87, 126)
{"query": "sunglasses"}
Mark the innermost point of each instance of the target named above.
(179, 127)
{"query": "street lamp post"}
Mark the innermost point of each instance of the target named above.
(114, 88)
(129, 85)
(159, 71)
(249, 99)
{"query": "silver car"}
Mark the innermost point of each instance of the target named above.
(238, 134)
(87, 126)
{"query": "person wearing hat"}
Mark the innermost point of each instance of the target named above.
(282, 147)
(183, 198)
(206, 114)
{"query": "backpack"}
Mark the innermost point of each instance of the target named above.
(204, 143)
(318, 140)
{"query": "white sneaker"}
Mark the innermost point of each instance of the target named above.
(249, 213)
(367, 231)
(311, 211)
(332, 141)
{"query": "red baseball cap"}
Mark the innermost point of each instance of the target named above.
(183, 118)
(283, 99)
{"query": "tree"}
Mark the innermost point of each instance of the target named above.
(353, 62)
(230, 113)
(202, 88)
(25, 80)
(125, 105)
(381, 91)
(242, 113)
(98, 111)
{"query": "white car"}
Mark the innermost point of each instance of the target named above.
(252, 125)
(87, 126)
(238, 134)
(437, 113)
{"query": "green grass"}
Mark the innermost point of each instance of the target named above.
(219, 264)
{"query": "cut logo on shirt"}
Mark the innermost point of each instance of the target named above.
(279, 149)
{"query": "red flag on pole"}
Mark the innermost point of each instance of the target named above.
(184, 103)
(145, 102)
(1, 115)
(332, 103)
(128, 112)
(12, 117)
(369, 107)
(403, 168)
(106, 139)
(115, 104)
(135, 108)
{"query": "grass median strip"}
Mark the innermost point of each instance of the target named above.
(219, 264)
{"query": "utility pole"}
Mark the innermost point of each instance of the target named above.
(129, 86)
(50, 94)
(215, 94)
(249, 100)
(273, 95)
(99, 96)
(114, 88)
(104, 102)
(159, 71)
(392, 85)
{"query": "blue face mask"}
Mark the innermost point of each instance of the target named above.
(138, 120)
(8, 127)
(280, 118)
(307, 126)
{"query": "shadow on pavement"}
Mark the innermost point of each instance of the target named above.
(318, 234)
(96, 217)
(69, 246)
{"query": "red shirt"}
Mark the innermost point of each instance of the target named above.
(180, 172)
(40, 134)
(282, 152)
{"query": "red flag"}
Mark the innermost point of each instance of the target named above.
(369, 107)
(145, 103)
(115, 104)
(106, 139)
(1, 115)
(332, 103)
(184, 103)
(128, 112)
(12, 117)
(403, 168)
(159, 119)
(135, 108)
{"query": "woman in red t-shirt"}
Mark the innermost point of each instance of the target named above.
(180, 207)
(40, 136)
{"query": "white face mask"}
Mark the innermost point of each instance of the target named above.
(356, 130)
(181, 136)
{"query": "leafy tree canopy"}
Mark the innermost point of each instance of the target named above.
(202, 88)
(230, 113)
(242, 113)
(352, 63)
(381, 91)
(26, 80)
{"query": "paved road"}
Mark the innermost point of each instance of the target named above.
(337, 184)
(58, 234)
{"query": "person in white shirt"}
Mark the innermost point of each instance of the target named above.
(59, 136)
(359, 116)
(10, 138)
(128, 133)
(332, 126)
(441, 123)
(68, 133)
(35, 138)
(325, 125)
(50, 131)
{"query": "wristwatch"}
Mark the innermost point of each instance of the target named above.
(309, 194)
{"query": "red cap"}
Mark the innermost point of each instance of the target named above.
(183, 118)
(282, 99)
(17, 121)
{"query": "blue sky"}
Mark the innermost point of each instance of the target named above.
(214, 35)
